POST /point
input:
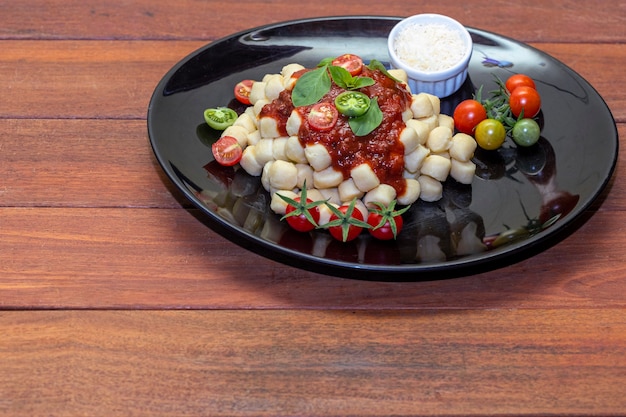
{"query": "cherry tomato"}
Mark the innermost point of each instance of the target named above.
(220, 118)
(242, 91)
(227, 151)
(519, 80)
(527, 99)
(299, 221)
(384, 232)
(323, 116)
(490, 134)
(352, 103)
(526, 132)
(352, 63)
(385, 221)
(346, 223)
(467, 115)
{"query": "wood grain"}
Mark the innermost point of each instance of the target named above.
(361, 363)
(94, 163)
(117, 299)
(530, 21)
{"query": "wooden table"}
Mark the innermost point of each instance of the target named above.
(116, 299)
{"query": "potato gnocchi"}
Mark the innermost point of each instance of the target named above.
(431, 151)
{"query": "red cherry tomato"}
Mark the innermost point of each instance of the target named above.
(323, 116)
(299, 221)
(385, 221)
(348, 225)
(527, 99)
(242, 91)
(519, 80)
(352, 63)
(227, 151)
(384, 232)
(468, 114)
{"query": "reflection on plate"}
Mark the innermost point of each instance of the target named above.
(521, 201)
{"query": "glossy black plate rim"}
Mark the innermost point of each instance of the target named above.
(472, 264)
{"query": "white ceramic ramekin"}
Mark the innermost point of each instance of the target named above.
(441, 83)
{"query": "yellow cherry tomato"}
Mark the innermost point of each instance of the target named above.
(490, 134)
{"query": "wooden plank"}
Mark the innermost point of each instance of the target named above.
(148, 258)
(528, 21)
(81, 163)
(107, 79)
(251, 363)
(105, 163)
(73, 79)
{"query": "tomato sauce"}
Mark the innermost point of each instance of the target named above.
(381, 149)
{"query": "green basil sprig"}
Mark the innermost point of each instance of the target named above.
(345, 80)
(315, 84)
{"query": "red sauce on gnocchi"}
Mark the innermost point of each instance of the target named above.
(381, 148)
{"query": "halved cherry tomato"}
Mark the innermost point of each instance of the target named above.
(227, 151)
(352, 63)
(323, 116)
(300, 221)
(468, 114)
(519, 80)
(527, 99)
(346, 223)
(242, 91)
(220, 118)
(352, 103)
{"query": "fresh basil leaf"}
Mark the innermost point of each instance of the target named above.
(377, 65)
(345, 80)
(341, 76)
(311, 87)
(365, 124)
(326, 62)
(360, 82)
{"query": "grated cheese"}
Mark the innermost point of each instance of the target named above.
(429, 48)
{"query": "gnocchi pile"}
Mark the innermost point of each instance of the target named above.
(426, 151)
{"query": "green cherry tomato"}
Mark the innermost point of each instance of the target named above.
(490, 134)
(352, 103)
(220, 118)
(526, 132)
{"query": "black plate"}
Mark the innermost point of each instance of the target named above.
(529, 197)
